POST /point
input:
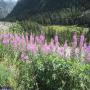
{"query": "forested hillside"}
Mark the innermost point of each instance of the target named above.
(56, 11)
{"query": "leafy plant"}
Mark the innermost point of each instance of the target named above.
(53, 73)
(6, 77)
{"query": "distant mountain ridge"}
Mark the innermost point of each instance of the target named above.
(2, 9)
(5, 7)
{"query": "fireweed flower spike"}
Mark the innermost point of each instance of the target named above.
(38, 44)
(5, 41)
(52, 46)
(65, 44)
(24, 56)
(61, 51)
(87, 53)
(82, 40)
(45, 48)
(74, 43)
(31, 38)
(42, 38)
(56, 39)
(37, 39)
(32, 48)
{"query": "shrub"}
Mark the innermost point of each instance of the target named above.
(6, 77)
(16, 28)
(53, 73)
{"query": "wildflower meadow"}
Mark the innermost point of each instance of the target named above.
(30, 62)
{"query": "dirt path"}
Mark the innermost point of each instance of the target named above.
(4, 26)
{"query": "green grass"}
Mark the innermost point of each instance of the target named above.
(71, 28)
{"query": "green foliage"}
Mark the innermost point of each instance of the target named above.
(64, 16)
(42, 72)
(26, 77)
(16, 28)
(53, 73)
(6, 76)
(30, 26)
(65, 32)
(8, 69)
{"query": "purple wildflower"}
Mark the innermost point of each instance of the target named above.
(82, 40)
(74, 43)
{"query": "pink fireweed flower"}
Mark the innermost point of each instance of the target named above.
(1, 36)
(22, 37)
(52, 46)
(17, 38)
(68, 52)
(23, 40)
(61, 51)
(87, 53)
(32, 48)
(6, 36)
(24, 56)
(27, 39)
(42, 38)
(82, 40)
(85, 45)
(65, 45)
(37, 40)
(74, 43)
(56, 39)
(11, 38)
(15, 44)
(11, 35)
(46, 49)
(31, 38)
(5, 41)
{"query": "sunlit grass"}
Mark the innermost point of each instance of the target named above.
(71, 28)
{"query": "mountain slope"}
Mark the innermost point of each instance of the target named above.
(52, 11)
(2, 9)
(6, 7)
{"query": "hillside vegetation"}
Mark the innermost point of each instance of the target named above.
(53, 11)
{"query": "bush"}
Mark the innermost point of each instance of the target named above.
(6, 77)
(42, 72)
(8, 69)
(16, 28)
(53, 73)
